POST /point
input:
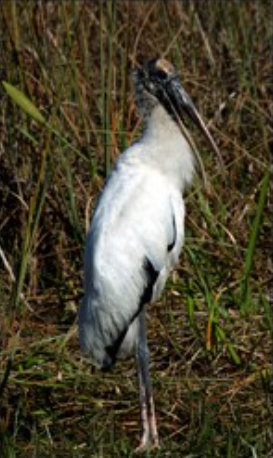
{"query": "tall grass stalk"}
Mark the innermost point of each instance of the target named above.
(250, 252)
(37, 201)
(111, 10)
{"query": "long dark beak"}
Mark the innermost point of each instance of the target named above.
(182, 103)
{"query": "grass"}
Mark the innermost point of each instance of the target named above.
(66, 113)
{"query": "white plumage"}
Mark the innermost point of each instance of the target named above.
(138, 215)
(136, 234)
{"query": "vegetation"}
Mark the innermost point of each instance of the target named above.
(67, 110)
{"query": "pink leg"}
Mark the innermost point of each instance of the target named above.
(152, 424)
(144, 441)
(149, 437)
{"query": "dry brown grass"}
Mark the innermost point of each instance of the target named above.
(210, 336)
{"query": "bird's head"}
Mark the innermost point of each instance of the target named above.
(157, 82)
(152, 82)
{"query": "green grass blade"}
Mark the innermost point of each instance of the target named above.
(252, 241)
(23, 101)
(35, 209)
(29, 108)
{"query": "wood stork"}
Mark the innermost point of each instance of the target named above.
(137, 231)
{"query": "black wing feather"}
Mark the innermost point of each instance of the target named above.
(151, 277)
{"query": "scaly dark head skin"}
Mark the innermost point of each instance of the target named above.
(157, 82)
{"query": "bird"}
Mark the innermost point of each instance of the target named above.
(137, 231)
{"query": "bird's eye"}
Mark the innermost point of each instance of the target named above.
(161, 75)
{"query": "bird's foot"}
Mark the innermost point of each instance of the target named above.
(146, 445)
(143, 446)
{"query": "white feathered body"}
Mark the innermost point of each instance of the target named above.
(138, 222)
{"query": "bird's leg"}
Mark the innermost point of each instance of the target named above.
(144, 413)
(149, 437)
(152, 423)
